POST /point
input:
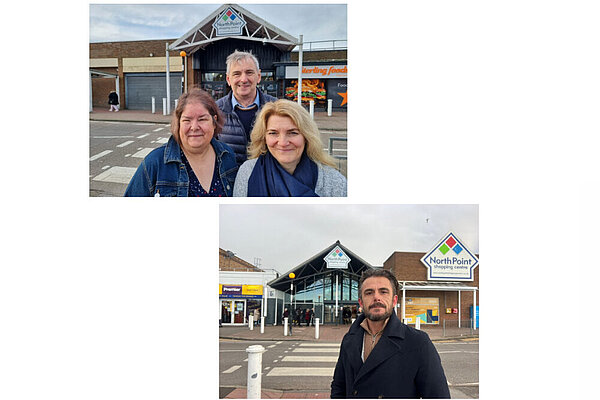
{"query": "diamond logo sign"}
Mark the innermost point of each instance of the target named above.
(450, 260)
(229, 23)
(337, 258)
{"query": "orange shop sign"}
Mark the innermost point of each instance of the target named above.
(317, 71)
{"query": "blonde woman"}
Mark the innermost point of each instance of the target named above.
(286, 157)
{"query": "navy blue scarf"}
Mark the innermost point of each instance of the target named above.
(270, 179)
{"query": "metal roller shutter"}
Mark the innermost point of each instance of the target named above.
(139, 89)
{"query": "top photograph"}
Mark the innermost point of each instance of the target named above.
(242, 101)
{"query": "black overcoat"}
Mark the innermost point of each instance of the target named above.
(403, 364)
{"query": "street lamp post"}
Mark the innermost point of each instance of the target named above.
(182, 54)
(292, 276)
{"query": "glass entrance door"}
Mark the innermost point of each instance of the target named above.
(233, 311)
(225, 311)
(239, 311)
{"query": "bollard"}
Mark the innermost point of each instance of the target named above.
(311, 108)
(153, 105)
(262, 324)
(316, 328)
(176, 100)
(285, 322)
(164, 106)
(329, 106)
(254, 371)
(418, 323)
(251, 322)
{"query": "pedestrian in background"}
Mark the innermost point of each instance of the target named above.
(286, 314)
(113, 100)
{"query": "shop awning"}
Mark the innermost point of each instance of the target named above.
(427, 285)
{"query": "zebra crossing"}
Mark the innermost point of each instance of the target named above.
(116, 151)
(307, 359)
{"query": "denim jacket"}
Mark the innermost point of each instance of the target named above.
(163, 172)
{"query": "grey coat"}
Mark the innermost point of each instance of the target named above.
(330, 183)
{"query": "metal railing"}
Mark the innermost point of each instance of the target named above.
(323, 45)
(337, 139)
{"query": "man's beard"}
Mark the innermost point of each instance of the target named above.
(378, 317)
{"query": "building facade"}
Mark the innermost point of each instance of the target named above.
(138, 70)
(436, 300)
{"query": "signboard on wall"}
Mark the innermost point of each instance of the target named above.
(241, 291)
(427, 309)
(317, 71)
(229, 23)
(337, 258)
(450, 260)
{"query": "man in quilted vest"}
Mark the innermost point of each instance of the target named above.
(242, 103)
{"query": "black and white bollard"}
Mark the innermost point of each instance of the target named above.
(251, 322)
(311, 108)
(153, 105)
(316, 328)
(285, 326)
(329, 107)
(418, 323)
(164, 106)
(254, 371)
(262, 324)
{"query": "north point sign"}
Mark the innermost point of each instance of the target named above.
(450, 260)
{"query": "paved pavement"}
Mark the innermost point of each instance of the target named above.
(336, 122)
(327, 333)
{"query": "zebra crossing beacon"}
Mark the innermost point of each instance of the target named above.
(165, 68)
(437, 287)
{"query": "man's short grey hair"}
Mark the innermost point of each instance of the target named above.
(238, 56)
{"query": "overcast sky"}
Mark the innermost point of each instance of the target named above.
(283, 236)
(121, 22)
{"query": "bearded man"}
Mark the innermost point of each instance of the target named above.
(382, 357)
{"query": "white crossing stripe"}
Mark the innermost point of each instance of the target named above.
(336, 345)
(312, 371)
(142, 153)
(143, 136)
(310, 358)
(125, 143)
(97, 156)
(116, 175)
(232, 369)
(305, 350)
(158, 129)
(112, 137)
(162, 140)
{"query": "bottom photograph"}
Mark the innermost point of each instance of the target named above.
(342, 300)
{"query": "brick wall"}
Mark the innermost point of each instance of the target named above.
(407, 266)
(234, 263)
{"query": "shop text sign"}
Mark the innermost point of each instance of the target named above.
(248, 291)
(450, 260)
(337, 258)
(229, 23)
(317, 71)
